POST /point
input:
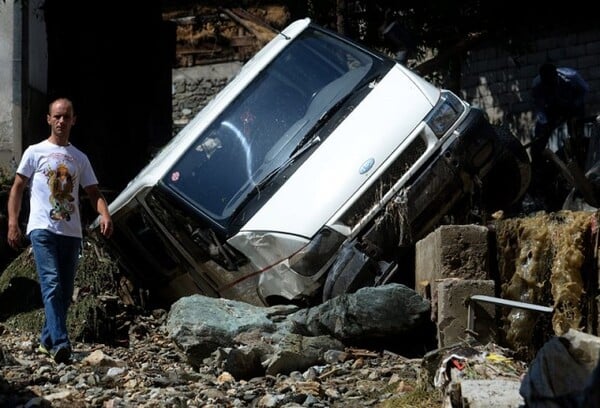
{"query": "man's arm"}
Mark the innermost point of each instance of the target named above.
(15, 199)
(101, 206)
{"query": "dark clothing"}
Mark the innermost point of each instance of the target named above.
(556, 379)
(557, 100)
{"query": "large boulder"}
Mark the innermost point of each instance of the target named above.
(250, 340)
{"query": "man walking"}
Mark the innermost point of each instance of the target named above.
(55, 168)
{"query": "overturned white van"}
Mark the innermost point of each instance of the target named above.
(308, 175)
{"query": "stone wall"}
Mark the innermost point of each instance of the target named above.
(500, 82)
(194, 87)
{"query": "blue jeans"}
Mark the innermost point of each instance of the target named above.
(56, 258)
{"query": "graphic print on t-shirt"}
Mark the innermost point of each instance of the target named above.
(60, 182)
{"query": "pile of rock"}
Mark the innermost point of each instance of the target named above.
(153, 371)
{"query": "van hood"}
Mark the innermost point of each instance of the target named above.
(381, 123)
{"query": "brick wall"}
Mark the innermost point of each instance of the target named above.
(492, 79)
(500, 82)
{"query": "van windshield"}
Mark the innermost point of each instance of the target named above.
(263, 126)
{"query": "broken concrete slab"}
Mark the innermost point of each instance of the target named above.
(496, 393)
(585, 347)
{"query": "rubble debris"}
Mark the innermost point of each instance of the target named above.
(548, 259)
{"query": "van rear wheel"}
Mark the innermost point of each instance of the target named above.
(506, 184)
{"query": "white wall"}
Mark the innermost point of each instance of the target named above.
(7, 59)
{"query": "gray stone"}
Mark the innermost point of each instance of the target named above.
(297, 353)
(369, 313)
(200, 324)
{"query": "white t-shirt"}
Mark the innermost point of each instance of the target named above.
(55, 174)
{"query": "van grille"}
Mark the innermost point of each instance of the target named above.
(384, 183)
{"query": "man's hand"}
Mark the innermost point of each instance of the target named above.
(15, 237)
(100, 205)
(106, 226)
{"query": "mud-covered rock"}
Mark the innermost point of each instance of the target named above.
(97, 314)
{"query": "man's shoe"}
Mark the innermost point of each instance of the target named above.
(44, 350)
(62, 355)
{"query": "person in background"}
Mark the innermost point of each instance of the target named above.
(559, 96)
(55, 169)
(398, 36)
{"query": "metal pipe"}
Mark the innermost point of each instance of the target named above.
(500, 302)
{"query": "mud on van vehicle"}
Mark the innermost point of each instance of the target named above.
(306, 176)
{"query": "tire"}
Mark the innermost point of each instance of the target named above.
(508, 181)
(351, 271)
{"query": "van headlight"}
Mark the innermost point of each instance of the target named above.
(445, 113)
(321, 248)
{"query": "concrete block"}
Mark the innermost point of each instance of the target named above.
(452, 311)
(496, 393)
(451, 251)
